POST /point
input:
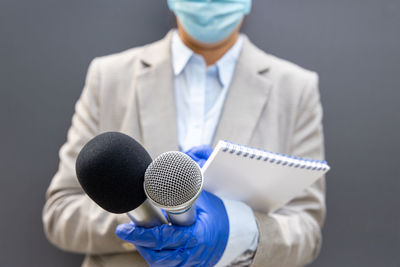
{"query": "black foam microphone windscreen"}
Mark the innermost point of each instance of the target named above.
(110, 169)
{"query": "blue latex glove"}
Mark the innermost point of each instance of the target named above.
(201, 244)
(200, 154)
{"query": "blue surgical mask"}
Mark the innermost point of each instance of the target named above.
(210, 21)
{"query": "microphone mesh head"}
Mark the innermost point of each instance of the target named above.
(173, 179)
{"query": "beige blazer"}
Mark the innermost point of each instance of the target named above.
(271, 104)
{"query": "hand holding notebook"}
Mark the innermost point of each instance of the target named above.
(264, 180)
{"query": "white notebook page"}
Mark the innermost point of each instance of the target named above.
(264, 180)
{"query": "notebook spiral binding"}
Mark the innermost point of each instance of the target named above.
(276, 158)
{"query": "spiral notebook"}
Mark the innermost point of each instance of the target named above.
(264, 180)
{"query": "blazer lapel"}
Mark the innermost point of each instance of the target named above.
(246, 97)
(156, 102)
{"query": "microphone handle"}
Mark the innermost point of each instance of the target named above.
(147, 215)
(184, 218)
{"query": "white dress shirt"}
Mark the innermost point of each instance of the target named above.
(200, 93)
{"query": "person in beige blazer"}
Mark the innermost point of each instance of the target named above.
(271, 104)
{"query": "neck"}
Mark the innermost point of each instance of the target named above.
(210, 52)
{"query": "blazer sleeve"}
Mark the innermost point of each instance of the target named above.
(72, 221)
(291, 236)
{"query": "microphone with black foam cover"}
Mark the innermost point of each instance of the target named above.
(173, 182)
(110, 169)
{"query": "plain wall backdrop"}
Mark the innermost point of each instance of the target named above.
(45, 49)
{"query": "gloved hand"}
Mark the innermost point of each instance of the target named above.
(200, 154)
(201, 244)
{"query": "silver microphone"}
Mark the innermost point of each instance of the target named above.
(173, 182)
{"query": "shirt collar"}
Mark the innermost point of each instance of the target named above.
(181, 55)
(227, 63)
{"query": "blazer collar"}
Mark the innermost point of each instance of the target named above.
(156, 98)
(247, 96)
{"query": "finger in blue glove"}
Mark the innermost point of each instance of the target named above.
(200, 154)
(201, 244)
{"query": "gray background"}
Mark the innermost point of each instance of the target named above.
(46, 46)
